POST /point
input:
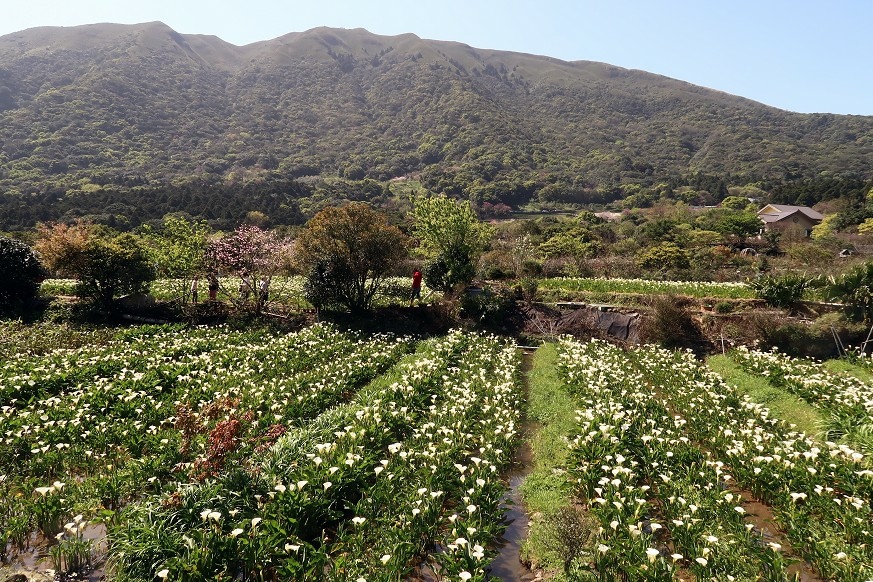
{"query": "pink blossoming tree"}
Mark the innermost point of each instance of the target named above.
(255, 256)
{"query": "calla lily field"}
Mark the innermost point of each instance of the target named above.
(200, 453)
(210, 454)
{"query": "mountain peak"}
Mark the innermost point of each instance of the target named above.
(117, 106)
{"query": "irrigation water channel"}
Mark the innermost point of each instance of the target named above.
(507, 565)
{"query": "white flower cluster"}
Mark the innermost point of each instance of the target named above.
(415, 455)
(668, 456)
(104, 412)
(811, 381)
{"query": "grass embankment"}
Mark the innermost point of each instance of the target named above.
(545, 490)
(784, 405)
(696, 289)
(842, 366)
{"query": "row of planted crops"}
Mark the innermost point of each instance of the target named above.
(668, 458)
(698, 289)
(205, 454)
(845, 400)
(208, 454)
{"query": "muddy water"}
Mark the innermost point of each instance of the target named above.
(507, 566)
(761, 516)
(36, 564)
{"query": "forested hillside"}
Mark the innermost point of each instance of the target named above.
(136, 121)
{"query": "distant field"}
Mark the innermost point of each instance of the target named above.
(286, 291)
(699, 289)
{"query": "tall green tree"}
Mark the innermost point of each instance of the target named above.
(730, 222)
(827, 227)
(346, 253)
(451, 237)
(176, 250)
(111, 267)
(738, 203)
(664, 257)
(574, 246)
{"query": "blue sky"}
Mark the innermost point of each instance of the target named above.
(800, 55)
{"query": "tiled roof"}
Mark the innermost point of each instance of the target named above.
(784, 211)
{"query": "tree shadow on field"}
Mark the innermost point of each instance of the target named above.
(422, 320)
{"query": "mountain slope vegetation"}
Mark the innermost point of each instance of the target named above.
(116, 116)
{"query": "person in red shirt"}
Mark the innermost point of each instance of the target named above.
(416, 287)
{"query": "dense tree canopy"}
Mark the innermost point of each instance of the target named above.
(119, 126)
(346, 252)
(177, 250)
(61, 246)
(21, 274)
(111, 267)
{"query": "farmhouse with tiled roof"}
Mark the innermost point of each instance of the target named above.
(785, 218)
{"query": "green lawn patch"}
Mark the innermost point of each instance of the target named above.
(545, 491)
(553, 410)
(849, 368)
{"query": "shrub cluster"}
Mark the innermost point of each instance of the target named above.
(21, 274)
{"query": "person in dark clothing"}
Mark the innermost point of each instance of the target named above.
(264, 292)
(213, 287)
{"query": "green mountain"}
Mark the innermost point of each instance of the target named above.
(103, 115)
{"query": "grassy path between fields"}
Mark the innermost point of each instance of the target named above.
(842, 366)
(551, 412)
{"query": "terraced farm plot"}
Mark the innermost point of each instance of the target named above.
(206, 454)
(687, 480)
(211, 454)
